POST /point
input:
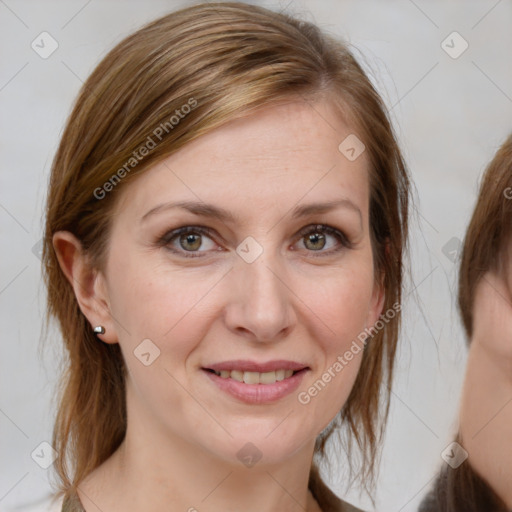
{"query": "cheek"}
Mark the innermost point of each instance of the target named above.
(342, 306)
(342, 302)
(166, 314)
(347, 305)
(150, 300)
(149, 297)
(170, 308)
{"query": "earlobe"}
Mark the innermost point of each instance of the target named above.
(87, 283)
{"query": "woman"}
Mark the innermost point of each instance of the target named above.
(484, 481)
(208, 376)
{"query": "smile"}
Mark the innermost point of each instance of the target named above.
(257, 383)
(255, 377)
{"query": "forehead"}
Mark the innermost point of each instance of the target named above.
(276, 156)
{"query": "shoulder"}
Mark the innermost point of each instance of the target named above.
(50, 503)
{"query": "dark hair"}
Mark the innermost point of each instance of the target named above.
(461, 490)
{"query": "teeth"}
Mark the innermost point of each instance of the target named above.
(236, 375)
(267, 377)
(255, 377)
(251, 377)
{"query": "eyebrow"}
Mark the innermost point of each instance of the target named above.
(209, 210)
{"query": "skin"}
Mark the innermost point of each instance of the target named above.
(486, 408)
(293, 302)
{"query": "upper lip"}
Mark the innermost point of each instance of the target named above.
(252, 366)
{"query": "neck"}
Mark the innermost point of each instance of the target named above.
(485, 419)
(156, 470)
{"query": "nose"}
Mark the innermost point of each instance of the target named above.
(261, 302)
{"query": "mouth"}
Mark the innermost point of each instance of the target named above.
(256, 383)
(255, 377)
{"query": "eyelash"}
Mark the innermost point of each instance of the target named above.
(169, 236)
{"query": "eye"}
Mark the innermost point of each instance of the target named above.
(196, 241)
(318, 237)
(188, 239)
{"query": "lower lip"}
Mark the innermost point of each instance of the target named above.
(258, 393)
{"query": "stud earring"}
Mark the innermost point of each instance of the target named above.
(99, 329)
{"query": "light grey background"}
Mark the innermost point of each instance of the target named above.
(450, 114)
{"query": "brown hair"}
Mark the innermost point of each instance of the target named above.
(489, 232)
(228, 58)
(484, 249)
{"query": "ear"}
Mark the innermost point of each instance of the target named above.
(88, 283)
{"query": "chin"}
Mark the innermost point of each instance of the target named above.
(261, 444)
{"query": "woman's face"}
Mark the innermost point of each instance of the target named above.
(274, 274)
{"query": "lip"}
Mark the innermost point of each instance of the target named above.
(258, 394)
(252, 366)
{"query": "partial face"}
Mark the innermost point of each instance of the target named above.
(245, 281)
(492, 320)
